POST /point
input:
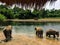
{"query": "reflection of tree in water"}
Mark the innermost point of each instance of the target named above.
(28, 3)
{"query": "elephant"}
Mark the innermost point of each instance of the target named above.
(53, 33)
(39, 32)
(7, 33)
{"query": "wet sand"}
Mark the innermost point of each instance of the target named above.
(27, 40)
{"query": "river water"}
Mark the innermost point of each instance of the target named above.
(29, 28)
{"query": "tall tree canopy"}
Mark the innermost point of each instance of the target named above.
(27, 3)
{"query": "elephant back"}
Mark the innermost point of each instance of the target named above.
(52, 31)
(38, 28)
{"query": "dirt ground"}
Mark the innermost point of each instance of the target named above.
(28, 40)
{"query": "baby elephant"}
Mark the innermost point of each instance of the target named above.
(39, 32)
(53, 33)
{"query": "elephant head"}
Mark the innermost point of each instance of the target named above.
(39, 32)
(38, 28)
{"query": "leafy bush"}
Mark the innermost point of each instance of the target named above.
(2, 17)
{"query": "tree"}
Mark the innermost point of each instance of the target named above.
(2, 17)
(28, 14)
(35, 13)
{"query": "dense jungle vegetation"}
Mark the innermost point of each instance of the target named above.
(20, 13)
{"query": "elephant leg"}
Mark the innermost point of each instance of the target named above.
(41, 35)
(49, 36)
(57, 35)
(46, 34)
(37, 34)
(53, 36)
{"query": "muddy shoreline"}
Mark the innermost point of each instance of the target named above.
(26, 40)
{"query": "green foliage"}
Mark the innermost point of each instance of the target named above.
(2, 17)
(20, 13)
(28, 14)
(9, 14)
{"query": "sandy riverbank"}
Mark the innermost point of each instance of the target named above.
(32, 20)
(26, 40)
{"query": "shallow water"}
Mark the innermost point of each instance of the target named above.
(28, 28)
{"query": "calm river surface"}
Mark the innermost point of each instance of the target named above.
(28, 28)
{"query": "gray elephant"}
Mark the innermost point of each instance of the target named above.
(53, 33)
(39, 32)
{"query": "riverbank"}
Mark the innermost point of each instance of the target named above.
(26, 40)
(33, 20)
